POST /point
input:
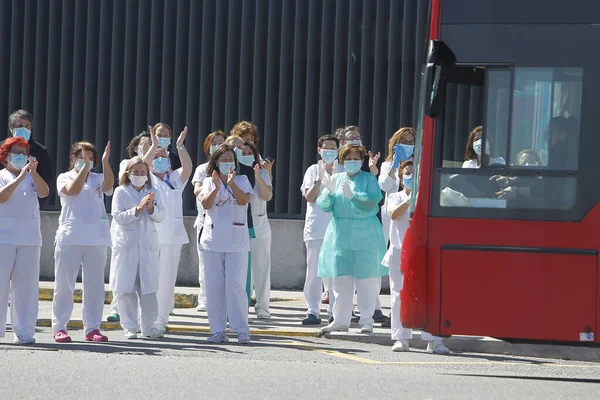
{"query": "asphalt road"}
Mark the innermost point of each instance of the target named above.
(185, 365)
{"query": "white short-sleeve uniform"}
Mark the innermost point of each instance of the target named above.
(473, 162)
(134, 262)
(225, 241)
(392, 260)
(315, 225)
(261, 248)
(20, 247)
(82, 240)
(199, 175)
(171, 237)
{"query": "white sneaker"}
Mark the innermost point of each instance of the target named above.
(263, 314)
(366, 328)
(201, 307)
(333, 327)
(130, 334)
(218, 338)
(24, 340)
(161, 328)
(244, 337)
(153, 333)
(437, 347)
(400, 345)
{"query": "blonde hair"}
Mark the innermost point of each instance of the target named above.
(132, 163)
(397, 138)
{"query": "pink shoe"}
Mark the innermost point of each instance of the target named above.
(62, 337)
(95, 336)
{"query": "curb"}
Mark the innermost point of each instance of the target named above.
(480, 344)
(182, 300)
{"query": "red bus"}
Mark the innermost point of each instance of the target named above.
(504, 241)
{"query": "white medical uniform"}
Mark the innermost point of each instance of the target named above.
(261, 248)
(315, 225)
(199, 176)
(82, 240)
(171, 237)
(473, 162)
(134, 262)
(20, 247)
(225, 241)
(392, 260)
(123, 167)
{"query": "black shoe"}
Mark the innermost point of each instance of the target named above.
(378, 316)
(354, 318)
(330, 319)
(312, 319)
(253, 302)
(388, 322)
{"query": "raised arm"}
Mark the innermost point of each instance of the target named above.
(184, 157)
(107, 172)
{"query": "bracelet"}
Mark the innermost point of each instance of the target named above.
(182, 147)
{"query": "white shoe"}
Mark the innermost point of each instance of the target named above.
(172, 312)
(130, 334)
(263, 314)
(437, 347)
(218, 338)
(400, 345)
(161, 328)
(244, 337)
(24, 340)
(201, 307)
(333, 327)
(153, 333)
(366, 328)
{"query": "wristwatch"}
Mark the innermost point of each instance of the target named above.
(317, 182)
(181, 147)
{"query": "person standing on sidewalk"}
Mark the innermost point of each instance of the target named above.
(211, 143)
(397, 209)
(134, 272)
(353, 246)
(20, 238)
(315, 225)
(226, 242)
(82, 240)
(171, 231)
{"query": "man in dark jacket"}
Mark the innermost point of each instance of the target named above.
(20, 123)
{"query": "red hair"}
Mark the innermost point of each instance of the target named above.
(7, 146)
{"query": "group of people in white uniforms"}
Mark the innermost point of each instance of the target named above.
(20, 238)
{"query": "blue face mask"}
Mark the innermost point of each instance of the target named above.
(164, 142)
(329, 156)
(224, 167)
(238, 152)
(81, 163)
(407, 181)
(213, 148)
(402, 152)
(23, 132)
(247, 160)
(352, 166)
(160, 165)
(18, 161)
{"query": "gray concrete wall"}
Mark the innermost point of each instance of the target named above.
(288, 255)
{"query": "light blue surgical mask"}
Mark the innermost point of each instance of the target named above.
(407, 181)
(329, 156)
(224, 167)
(81, 163)
(23, 132)
(213, 148)
(357, 142)
(352, 166)
(247, 160)
(160, 164)
(164, 142)
(18, 161)
(404, 152)
(238, 152)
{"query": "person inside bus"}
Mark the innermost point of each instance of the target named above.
(474, 154)
(315, 224)
(211, 143)
(397, 210)
(520, 189)
(354, 244)
(226, 244)
(563, 143)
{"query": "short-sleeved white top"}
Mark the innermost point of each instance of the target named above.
(171, 230)
(199, 175)
(20, 214)
(258, 208)
(398, 226)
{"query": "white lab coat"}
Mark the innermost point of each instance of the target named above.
(389, 185)
(134, 241)
(199, 175)
(261, 248)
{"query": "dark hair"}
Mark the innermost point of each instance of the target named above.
(349, 149)
(212, 163)
(209, 139)
(7, 146)
(17, 115)
(254, 153)
(469, 152)
(132, 147)
(325, 138)
(339, 133)
(80, 147)
(405, 164)
(350, 128)
(529, 152)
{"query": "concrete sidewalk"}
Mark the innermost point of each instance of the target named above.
(288, 308)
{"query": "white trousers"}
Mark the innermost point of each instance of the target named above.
(168, 264)
(19, 279)
(137, 305)
(226, 297)
(313, 284)
(201, 277)
(114, 305)
(396, 281)
(67, 261)
(261, 272)
(343, 288)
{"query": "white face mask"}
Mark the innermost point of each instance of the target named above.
(138, 181)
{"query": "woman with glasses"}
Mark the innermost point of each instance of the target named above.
(225, 242)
